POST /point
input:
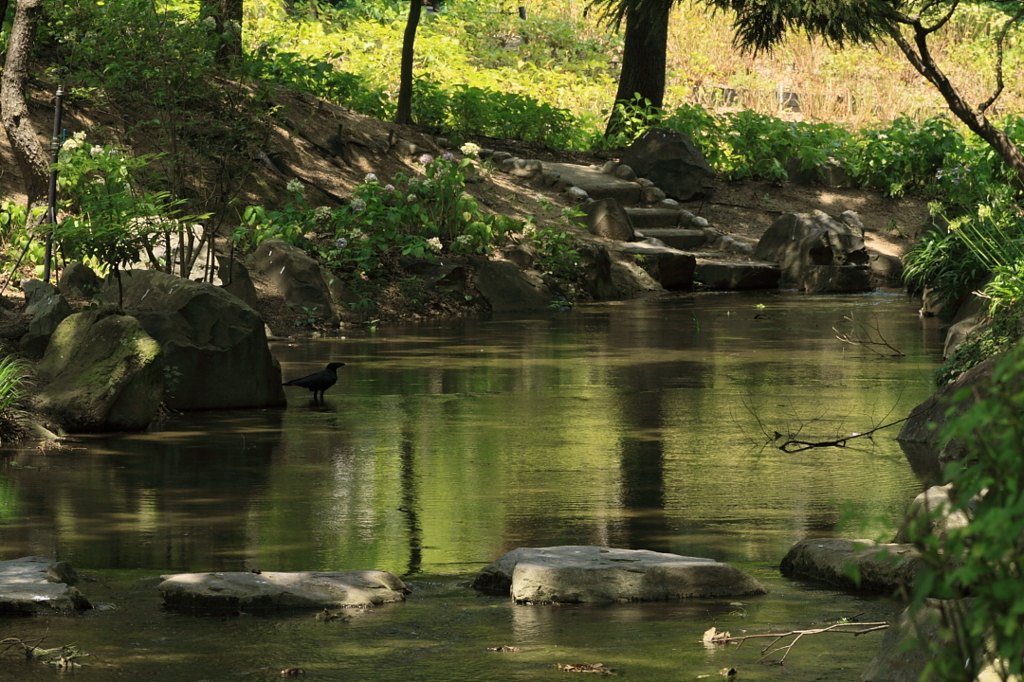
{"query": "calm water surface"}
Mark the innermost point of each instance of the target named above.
(641, 424)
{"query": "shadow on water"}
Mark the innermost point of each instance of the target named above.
(443, 445)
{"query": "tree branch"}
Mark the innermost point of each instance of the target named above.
(797, 635)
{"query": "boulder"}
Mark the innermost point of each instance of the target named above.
(882, 567)
(234, 279)
(608, 219)
(103, 373)
(269, 590)
(817, 253)
(214, 346)
(13, 325)
(672, 161)
(630, 279)
(900, 657)
(509, 289)
(971, 316)
(935, 499)
(36, 585)
(48, 309)
(596, 272)
(582, 574)
(297, 277)
(886, 270)
(79, 281)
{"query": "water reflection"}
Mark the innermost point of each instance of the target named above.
(443, 445)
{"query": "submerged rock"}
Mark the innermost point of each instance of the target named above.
(295, 590)
(588, 573)
(37, 585)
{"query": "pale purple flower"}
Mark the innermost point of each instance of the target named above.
(426, 160)
(389, 187)
(447, 156)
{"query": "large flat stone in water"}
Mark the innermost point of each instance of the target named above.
(297, 590)
(880, 567)
(37, 585)
(587, 573)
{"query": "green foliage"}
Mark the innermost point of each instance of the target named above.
(998, 336)
(14, 376)
(904, 155)
(983, 560)
(107, 216)
(942, 261)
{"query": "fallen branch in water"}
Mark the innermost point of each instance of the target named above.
(865, 335)
(793, 445)
(797, 635)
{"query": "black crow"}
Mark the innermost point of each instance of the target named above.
(318, 382)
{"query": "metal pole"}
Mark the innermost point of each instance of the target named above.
(51, 210)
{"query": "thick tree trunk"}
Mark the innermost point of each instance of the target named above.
(404, 113)
(32, 158)
(643, 59)
(228, 15)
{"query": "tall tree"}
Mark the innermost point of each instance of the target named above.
(643, 52)
(761, 24)
(28, 151)
(404, 112)
(227, 15)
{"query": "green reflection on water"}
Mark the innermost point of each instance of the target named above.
(445, 445)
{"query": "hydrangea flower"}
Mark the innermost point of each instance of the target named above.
(470, 149)
(96, 150)
(426, 160)
(464, 240)
(358, 205)
(370, 177)
(322, 214)
(529, 230)
(295, 185)
(447, 156)
(389, 187)
(340, 243)
(435, 244)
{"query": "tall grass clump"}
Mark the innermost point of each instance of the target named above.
(14, 380)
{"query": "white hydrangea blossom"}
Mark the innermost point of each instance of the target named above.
(435, 244)
(358, 205)
(295, 185)
(470, 149)
(370, 177)
(464, 240)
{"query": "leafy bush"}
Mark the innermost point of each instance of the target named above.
(984, 560)
(942, 261)
(14, 379)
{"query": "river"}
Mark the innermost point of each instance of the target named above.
(640, 424)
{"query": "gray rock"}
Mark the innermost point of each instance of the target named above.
(678, 238)
(737, 276)
(609, 167)
(645, 218)
(215, 347)
(934, 500)
(596, 272)
(882, 568)
(509, 289)
(886, 270)
(103, 373)
(624, 172)
(523, 255)
(900, 657)
(498, 157)
(585, 574)
(13, 325)
(645, 184)
(699, 221)
(36, 585)
(606, 218)
(652, 195)
(829, 174)
(672, 268)
(670, 160)
(669, 203)
(48, 309)
(79, 281)
(443, 142)
(522, 168)
(267, 590)
(550, 178)
(235, 280)
(971, 316)
(577, 194)
(297, 277)
(817, 253)
(630, 279)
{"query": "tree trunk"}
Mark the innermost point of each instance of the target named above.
(28, 151)
(404, 113)
(228, 15)
(643, 60)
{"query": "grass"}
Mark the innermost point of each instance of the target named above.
(14, 376)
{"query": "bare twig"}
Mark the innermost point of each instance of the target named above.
(793, 445)
(798, 634)
(868, 336)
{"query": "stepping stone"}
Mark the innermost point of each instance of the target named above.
(587, 573)
(37, 585)
(678, 238)
(672, 268)
(737, 276)
(644, 218)
(882, 567)
(299, 590)
(597, 184)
